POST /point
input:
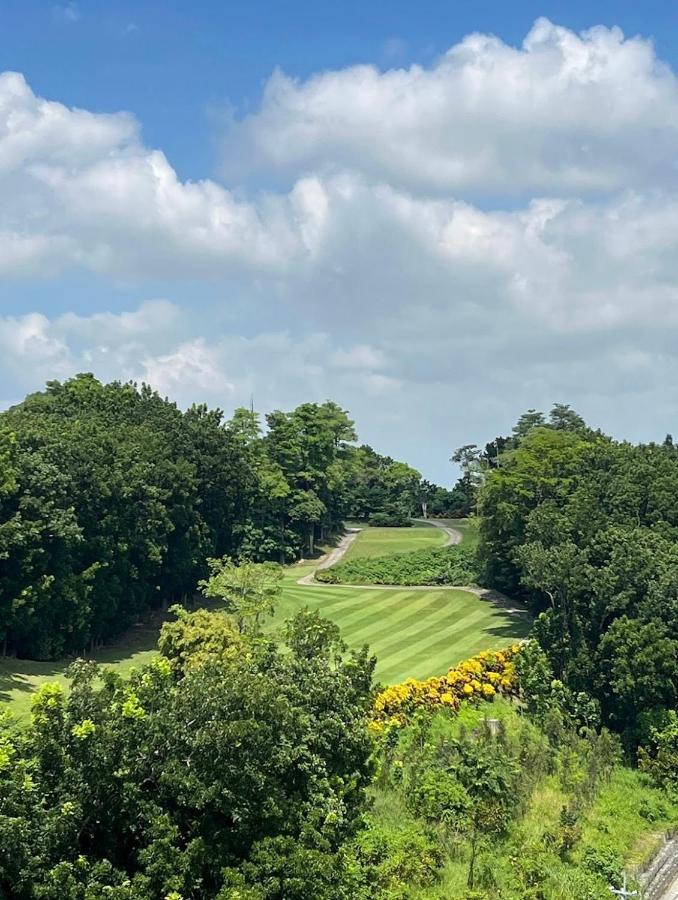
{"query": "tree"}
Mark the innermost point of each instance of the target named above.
(636, 671)
(249, 590)
(239, 771)
(563, 418)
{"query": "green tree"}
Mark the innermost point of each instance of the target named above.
(249, 590)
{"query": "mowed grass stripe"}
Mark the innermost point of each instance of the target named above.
(407, 614)
(386, 608)
(414, 634)
(354, 597)
(352, 604)
(450, 648)
(405, 653)
(407, 647)
(420, 653)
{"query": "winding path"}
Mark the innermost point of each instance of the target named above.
(453, 537)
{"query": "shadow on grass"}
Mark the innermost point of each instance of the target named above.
(516, 629)
(18, 675)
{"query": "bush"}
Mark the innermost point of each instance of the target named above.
(396, 857)
(440, 565)
(389, 520)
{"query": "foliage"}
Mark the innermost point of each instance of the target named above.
(478, 678)
(586, 530)
(393, 519)
(660, 757)
(241, 770)
(438, 565)
(249, 590)
(397, 856)
(112, 498)
(557, 816)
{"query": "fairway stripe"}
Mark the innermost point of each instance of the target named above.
(458, 648)
(402, 651)
(412, 642)
(384, 609)
(412, 612)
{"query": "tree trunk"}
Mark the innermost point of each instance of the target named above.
(311, 537)
(282, 541)
(472, 861)
(424, 508)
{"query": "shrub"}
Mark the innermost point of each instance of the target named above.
(438, 565)
(479, 678)
(389, 520)
(396, 857)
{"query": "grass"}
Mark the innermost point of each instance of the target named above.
(415, 633)
(385, 541)
(468, 529)
(625, 821)
(19, 678)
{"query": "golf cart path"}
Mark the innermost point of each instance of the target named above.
(453, 537)
(672, 893)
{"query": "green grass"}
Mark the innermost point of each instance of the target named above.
(468, 529)
(415, 633)
(626, 820)
(385, 541)
(19, 678)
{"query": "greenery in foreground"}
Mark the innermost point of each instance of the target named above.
(530, 809)
(586, 530)
(414, 632)
(239, 766)
(246, 763)
(453, 565)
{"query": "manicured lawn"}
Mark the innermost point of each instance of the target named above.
(19, 678)
(414, 633)
(467, 527)
(384, 541)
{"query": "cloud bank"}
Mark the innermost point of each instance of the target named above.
(453, 243)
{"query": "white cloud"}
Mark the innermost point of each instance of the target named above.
(68, 12)
(378, 278)
(563, 113)
(81, 189)
(194, 367)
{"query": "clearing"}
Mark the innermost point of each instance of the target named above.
(385, 541)
(414, 632)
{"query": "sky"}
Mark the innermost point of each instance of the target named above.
(438, 215)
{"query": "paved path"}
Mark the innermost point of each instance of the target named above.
(672, 892)
(453, 537)
(660, 879)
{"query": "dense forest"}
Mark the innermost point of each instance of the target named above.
(112, 499)
(249, 761)
(585, 528)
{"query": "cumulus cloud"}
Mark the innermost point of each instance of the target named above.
(379, 276)
(81, 189)
(150, 344)
(565, 112)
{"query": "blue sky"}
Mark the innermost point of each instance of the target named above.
(180, 66)
(437, 241)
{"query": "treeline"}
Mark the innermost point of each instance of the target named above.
(112, 498)
(585, 528)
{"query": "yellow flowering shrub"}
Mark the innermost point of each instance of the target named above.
(479, 678)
